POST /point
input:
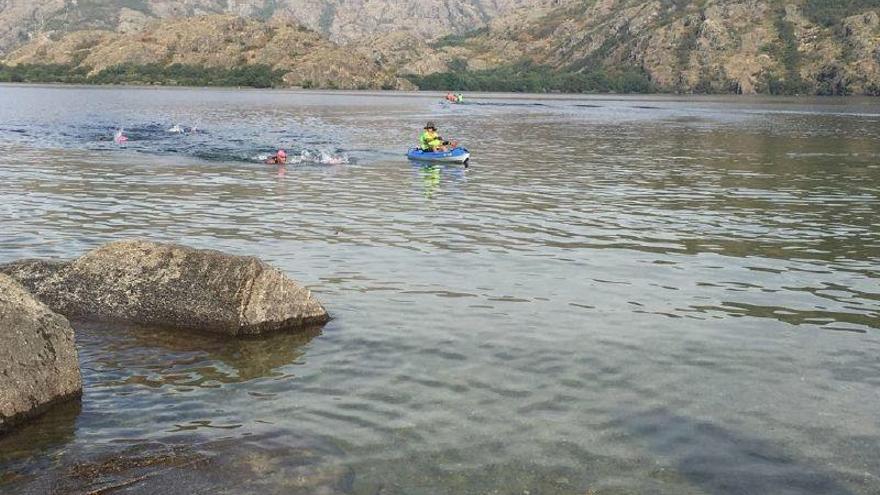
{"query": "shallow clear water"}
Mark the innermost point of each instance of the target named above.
(620, 295)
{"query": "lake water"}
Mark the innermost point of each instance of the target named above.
(620, 295)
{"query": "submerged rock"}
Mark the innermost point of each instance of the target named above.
(265, 463)
(39, 366)
(172, 286)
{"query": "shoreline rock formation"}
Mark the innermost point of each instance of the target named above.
(39, 365)
(172, 286)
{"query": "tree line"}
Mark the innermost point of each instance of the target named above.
(526, 77)
(256, 76)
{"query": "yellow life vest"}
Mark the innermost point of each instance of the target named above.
(429, 140)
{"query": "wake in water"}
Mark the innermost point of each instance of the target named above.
(217, 146)
(323, 157)
(160, 132)
(444, 103)
(312, 157)
(247, 144)
(181, 129)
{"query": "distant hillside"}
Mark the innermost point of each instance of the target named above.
(200, 50)
(801, 46)
(340, 20)
(827, 47)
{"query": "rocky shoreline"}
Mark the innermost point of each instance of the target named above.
(136, 283)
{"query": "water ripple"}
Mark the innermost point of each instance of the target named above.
(624, 295)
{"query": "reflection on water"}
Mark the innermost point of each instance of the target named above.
(436, 178)
(431, 176)
(120, 361)
(52, 430)
(623, 295)
(163, 358)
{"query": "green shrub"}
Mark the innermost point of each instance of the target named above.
(258, 76)
(831, 12)
(773, 84)
(787, 53)
(526, 77)
(47, 73)
(459, 39)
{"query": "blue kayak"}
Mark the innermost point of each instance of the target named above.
(456, 155)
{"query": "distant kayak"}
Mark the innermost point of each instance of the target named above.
(457, 155)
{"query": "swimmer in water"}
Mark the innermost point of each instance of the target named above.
(120, 137)
(280, 158)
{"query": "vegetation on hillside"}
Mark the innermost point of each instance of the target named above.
(256, 76)
(576, 46)
(43, 73)
(92, 14)
(600, 52)
(831, 12)
(789, 82)
(459, 39)
(526, 77)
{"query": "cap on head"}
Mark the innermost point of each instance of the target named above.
(430, 125)
(281, 154)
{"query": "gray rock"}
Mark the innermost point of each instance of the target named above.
(172, 286)
(32, 273)
(39, 366)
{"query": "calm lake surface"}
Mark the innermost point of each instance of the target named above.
(621, 295)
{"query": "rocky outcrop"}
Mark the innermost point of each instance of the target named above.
(718, 46)
(38, 360)
(172, 286)
(402, 50)
(341, 20)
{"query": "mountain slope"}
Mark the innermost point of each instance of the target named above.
(216, 41)
(702, 46)
(340, 20)
(746, 46)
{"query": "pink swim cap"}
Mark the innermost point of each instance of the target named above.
(281, 154)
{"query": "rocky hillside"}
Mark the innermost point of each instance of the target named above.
(719, 46)
(303, 57)
(740, 46)
(340, 20)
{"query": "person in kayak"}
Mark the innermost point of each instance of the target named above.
(450, 97)
(279, 158)
(430, 140)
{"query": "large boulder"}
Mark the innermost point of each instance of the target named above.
(38, 362)
(172, 286)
